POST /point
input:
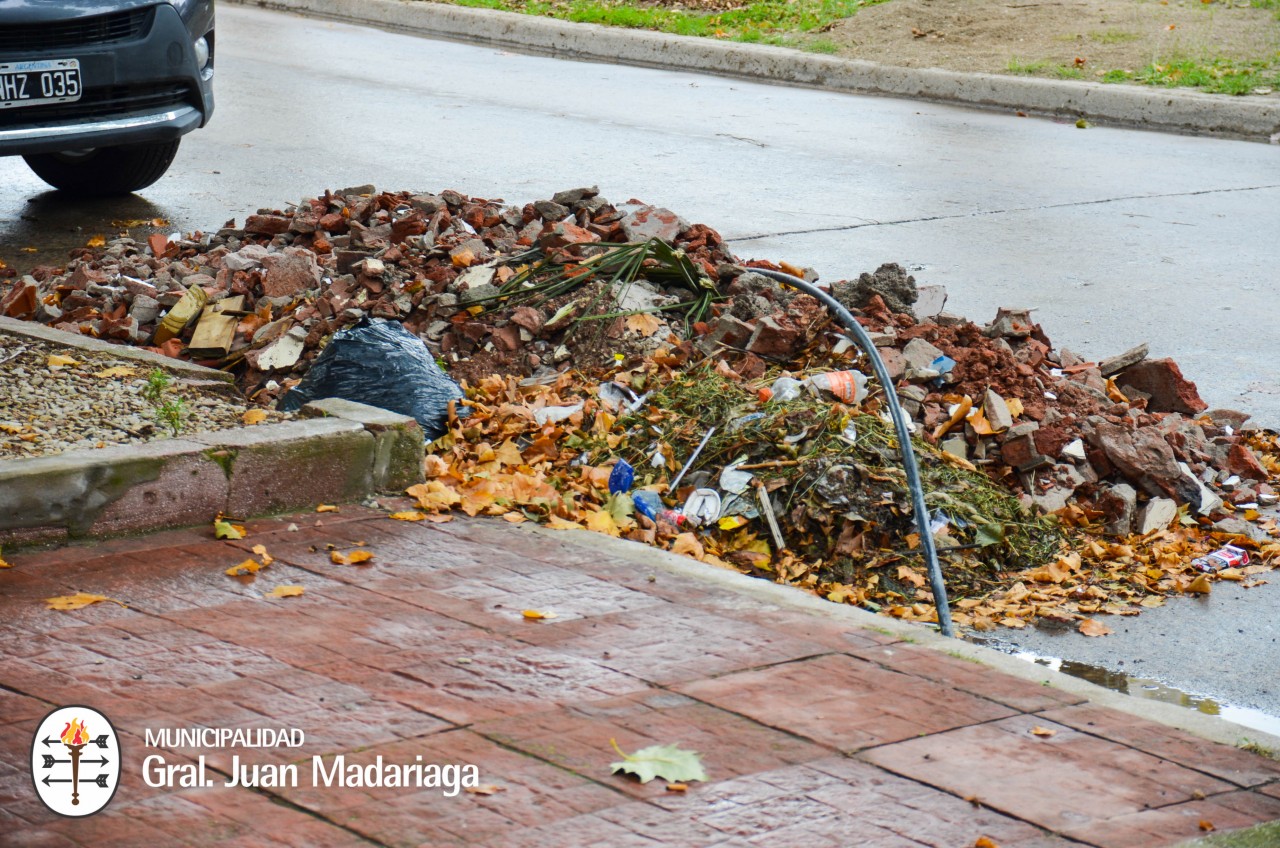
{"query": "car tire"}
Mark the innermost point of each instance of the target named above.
(104, 170)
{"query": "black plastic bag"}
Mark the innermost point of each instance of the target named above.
(380, 363)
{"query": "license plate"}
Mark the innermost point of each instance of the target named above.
(44, 81)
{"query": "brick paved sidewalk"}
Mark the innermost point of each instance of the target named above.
(814, 731)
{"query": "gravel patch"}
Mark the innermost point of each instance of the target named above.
(47, 408)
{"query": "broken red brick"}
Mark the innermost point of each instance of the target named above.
(1162, 380)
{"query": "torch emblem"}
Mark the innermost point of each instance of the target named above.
(75, 772)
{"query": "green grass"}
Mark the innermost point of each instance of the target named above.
(1017, 66)
(1216, 76)
(1114, 36)
(761, 21)
(822, 45)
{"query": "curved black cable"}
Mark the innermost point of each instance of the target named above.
(921, 512)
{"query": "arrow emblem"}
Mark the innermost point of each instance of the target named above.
(100, 781)
(100, 741)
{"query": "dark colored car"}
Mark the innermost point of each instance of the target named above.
(97, 94)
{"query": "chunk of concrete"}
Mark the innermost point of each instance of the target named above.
(1156, 514)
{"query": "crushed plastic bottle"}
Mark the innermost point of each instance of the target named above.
(621, 478)
(847, 386)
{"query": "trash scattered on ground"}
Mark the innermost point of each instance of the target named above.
(621, 371)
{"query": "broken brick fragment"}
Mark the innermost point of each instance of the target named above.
(1161, 380)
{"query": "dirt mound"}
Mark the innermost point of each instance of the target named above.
(988, 35)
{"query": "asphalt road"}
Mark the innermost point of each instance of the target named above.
(1114, 236)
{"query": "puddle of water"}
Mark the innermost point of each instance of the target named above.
(1154, 690)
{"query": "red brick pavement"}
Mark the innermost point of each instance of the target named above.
(814, 732)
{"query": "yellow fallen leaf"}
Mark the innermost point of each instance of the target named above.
(1206, 825)
(602, 521)
(433, 466)
(677, 787)
(353, 558)
(434, 495)
(440, 519)
(4, 564)
(514, 518)
(96, 241)
(261, 551)
(985, 842)
(557, 523)
(1093, 627)
(117, 371)
(253, 416)
(537, 615)
(57, 361)
(909, 575)
(249, 566)
(485, 789)
(1042, 731)
(326, 508)
(687, 543)
(1199, 586)
(78, 601)
(643, 324)
(509, 454)
(223, 529)
(285, 592)
(412, 515)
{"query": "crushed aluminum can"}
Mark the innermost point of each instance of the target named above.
(621, 477)
(1226, 557)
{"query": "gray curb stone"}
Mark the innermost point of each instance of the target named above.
(1167, 110)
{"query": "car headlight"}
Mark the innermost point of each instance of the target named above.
(201, 48)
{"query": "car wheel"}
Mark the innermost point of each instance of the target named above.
(104, 170)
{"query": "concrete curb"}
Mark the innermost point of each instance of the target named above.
(1209, 727)
(1120, 105)
(39, 332)
(339, 451)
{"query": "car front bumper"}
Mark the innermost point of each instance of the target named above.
(136, 92)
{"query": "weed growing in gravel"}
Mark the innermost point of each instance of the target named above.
(169, 411)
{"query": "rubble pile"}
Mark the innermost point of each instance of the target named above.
(625, 373)
(262, 299)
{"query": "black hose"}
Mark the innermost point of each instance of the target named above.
(920, 511)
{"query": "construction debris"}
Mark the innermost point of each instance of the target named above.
(1054, 483)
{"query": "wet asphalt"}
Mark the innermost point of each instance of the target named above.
(1113, 236)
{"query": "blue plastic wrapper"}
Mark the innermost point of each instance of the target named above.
(621, 477)
(647, 503)
(380, 363)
